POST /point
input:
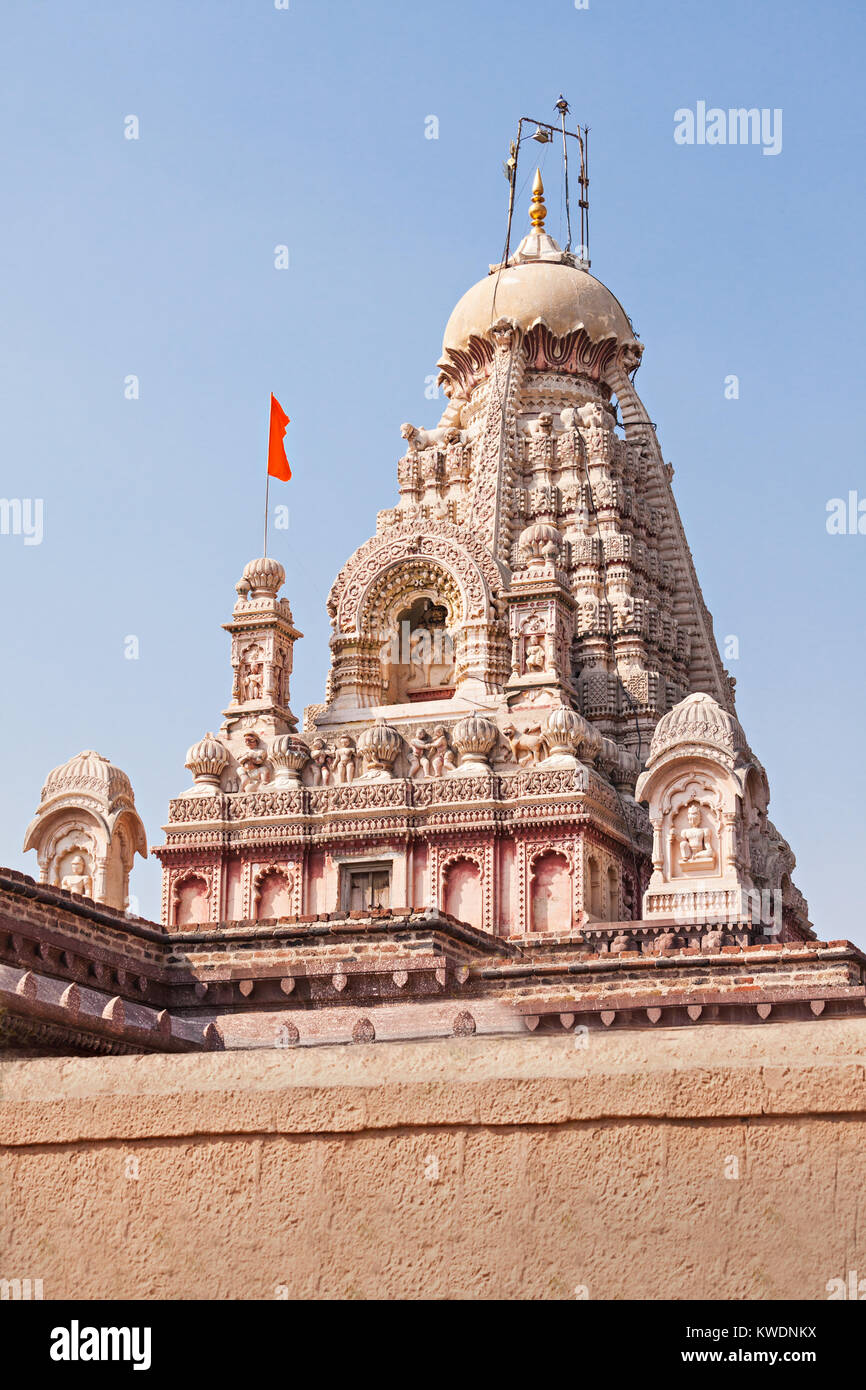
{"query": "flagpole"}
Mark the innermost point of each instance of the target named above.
(267, 485)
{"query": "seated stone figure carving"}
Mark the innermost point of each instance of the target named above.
(696, 850)
(535, 658)
(78, 880)
(253, 767)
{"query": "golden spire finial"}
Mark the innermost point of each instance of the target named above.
(537, 210)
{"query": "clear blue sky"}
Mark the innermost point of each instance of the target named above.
(306, 127)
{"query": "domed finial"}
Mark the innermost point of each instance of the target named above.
(537, 210)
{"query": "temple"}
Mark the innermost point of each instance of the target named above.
(525, 799)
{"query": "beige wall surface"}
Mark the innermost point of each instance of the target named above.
(712, 1163)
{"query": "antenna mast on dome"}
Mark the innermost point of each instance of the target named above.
(544, 134)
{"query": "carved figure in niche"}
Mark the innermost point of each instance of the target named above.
(433, 616)
(420, 654)
(252, 677)
(253, 768)
(527, 747)
(569, 445)
(320, 763)
(695, 843)
(623, 610)
(421, 749)
(420, 660)
(78, 880)
(344, 759)
(441, 754)
(535, 657)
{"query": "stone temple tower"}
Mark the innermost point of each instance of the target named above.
(522, 639)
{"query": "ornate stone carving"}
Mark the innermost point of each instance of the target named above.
(379, 746)
(289, 756)
(431, 753)
(566, 732)
(265, 577)
(207, 760)
(320, 763)
(696, 853)
(263, 638)
(254, 769)
(419, 762)
(534, 571)
(529, 746)
(344, 759)
(252, 674)
(474, 738)
(701, 784)
(86, 831)
(442, 756)
(78, 879)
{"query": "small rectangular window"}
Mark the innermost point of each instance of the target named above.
(367, 887)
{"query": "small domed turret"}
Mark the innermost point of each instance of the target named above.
(264, 576)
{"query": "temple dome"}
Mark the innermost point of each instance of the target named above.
(561, 295)
(698, 720)
(540, 284)
(88, 772)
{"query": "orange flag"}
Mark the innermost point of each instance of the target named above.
(278, 464)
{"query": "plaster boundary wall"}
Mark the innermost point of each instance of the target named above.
(599, 1167)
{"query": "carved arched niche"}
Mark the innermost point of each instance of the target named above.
(550, 894)
(463, 890)
(593, 900)
(694, 811)
(191, 892)
(84, 852)
(418, 655)
(700, 843)
(415, 619)
(70, 852)
(272, 894)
